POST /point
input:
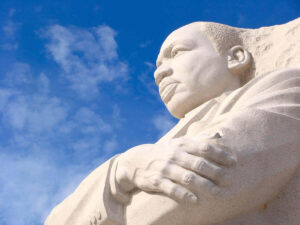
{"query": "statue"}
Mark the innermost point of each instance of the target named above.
(233, 158)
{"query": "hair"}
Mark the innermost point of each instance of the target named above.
(223, 37)
(271, 48)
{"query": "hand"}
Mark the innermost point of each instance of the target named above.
(178, 168)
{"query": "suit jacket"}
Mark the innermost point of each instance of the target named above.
(258, 123)
(93, 202)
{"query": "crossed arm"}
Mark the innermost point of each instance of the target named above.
(239, 171)
(260, 139)
(180, 168)
(256, 154)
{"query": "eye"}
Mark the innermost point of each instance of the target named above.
(158, 64)
(177, 50)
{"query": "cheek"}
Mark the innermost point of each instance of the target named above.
(197, 71)
(202, 73)
(210, 71)
(189, 68)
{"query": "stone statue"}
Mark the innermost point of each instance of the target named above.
(232, 159)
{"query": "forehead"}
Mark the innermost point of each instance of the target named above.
(189, 35)
(190, 32)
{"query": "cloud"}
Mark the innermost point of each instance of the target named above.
(146, 78)
(32, 185)
(18, 75)
(110, 145)
(29, 107)
(91, 129)
(50, 141)
(87, 57)
(90, 122)
(145, 44)
(5, 95)
(163, 123)
(48, 145)
(9, 29)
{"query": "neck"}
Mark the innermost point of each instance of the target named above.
(233, 85)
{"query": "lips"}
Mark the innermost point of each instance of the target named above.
(167, 89)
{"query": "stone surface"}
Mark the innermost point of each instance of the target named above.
(232, 159)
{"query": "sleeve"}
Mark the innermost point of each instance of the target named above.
(92, 202)
(263, 135)
(262, 132)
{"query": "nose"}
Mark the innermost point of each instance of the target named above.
(161, 72)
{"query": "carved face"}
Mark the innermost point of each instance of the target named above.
(190, 71)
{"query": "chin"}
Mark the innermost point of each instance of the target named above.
(176, 113)
(180, 105)
(178, 109)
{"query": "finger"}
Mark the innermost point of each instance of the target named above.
(209, 151)
(177, 192)
(191, 180)
(156, 183)
(202, 167)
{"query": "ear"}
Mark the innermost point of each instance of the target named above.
(238, 59)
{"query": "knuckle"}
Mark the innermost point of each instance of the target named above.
(199, 165)
(172, 155)
(164, 168)
(174, 141)
(155, 164)
(188, 178)
(155, 181)
(179, 142)
(173, 191)
(205, 148)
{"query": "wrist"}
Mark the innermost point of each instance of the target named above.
(127, 167)
(122, 178)
(116, 190)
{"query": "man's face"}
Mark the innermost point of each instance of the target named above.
(189, 70)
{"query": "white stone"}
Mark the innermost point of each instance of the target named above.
(232, 159)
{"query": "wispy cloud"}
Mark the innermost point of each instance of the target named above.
(31, 185)
(42, 137)
(87, 57)
(146, 78)
(29, 106)
(145, 44)
(9, 29)
(163, 123)
(18, 75)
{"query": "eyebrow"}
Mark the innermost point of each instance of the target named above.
(167, 51)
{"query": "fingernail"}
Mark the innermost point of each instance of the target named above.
(226, 179)
(215, 190)
(231, 161)
(191, 198)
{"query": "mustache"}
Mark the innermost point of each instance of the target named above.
(165, 82)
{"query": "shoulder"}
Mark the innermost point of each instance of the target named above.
(280, 85)
(277, 76)
(278, 79)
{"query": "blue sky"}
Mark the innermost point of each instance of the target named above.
(76, 86)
